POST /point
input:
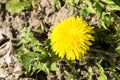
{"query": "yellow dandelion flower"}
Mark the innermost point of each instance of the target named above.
(71, 38)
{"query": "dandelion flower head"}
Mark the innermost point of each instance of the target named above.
(71, 38)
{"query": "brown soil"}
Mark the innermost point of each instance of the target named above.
(47, 15)
(10, 27)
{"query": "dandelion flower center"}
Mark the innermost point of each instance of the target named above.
(71, 38)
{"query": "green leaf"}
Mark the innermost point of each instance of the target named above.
(99, 9)
(45, 69)
(90, 73)
(108, 1)
(26, 61)
(42, 66)
(70, 2)
(111, 7)
(76, 1)
(33, 55)
(102, 74)
(112, 4)
(32, 59)
(43, 54)
(69, 76)
(90, 8)
(106, 20)
(54, 67)
(118, 49)
(101, 22)
(57, 4)
(15, 6)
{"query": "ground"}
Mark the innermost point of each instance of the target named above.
(45, 14)
(11, 25)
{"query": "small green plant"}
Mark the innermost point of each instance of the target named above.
(15, 6)
(102, 9)
(117, 37)
(101, 71)
(57, 4)
(71, 3)
(32, 55)
(38, 56)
